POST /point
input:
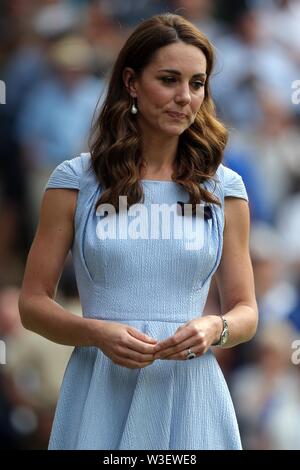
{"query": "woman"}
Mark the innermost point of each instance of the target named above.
(128, 384)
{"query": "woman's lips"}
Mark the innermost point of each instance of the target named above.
(176, 115)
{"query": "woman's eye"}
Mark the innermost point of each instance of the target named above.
(169, 79)
(198, 85)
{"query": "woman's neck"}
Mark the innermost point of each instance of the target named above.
(159, 156)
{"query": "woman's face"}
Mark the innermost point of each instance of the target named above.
(170, 90)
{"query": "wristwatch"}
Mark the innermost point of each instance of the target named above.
(224, 335)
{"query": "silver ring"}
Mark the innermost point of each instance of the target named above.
(190, 354)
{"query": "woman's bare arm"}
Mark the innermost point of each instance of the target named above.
(39, 312)
(235, 275)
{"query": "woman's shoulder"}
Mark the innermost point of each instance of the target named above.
(230, 183)
(71, 174)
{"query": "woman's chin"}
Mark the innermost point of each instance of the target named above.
(174, 131)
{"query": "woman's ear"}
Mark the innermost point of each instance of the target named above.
(129, 81)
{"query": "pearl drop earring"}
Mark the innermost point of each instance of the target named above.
(134, 109)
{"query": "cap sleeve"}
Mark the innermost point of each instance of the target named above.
(66, 175)
(233, 184)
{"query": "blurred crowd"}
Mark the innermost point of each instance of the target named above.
(55, 58)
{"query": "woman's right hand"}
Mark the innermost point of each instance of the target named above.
(124, 344)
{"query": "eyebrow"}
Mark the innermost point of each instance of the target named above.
(176, 72)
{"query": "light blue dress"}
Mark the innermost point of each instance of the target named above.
(155, 285)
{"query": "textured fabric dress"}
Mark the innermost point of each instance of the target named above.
(155, 285)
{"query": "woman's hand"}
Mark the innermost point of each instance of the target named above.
(198, 334)
(125, 345)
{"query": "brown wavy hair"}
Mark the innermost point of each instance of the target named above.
(116, 150)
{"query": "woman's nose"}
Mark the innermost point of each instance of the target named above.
(183, 95)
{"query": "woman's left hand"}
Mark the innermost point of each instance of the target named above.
(197, 334)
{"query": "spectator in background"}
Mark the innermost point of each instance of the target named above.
(280, 22)
(275, 144)
(276, 294)
(248, 64)
(266, 392)
(201, 14)
(31, 377)
(57, 115)
(131, 12)
(25, 40)
(288, 224)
